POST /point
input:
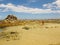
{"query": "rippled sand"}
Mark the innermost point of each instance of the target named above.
(47, 34)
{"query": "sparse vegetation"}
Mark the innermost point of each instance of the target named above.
(26, 28)
(30, 32)
(9, 35)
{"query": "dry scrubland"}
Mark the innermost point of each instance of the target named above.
(31, 34)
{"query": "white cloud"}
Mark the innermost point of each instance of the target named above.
(19, 8)
(55, 4)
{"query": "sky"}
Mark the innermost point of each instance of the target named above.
(30, 9)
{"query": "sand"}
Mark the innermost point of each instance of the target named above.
(48, 34)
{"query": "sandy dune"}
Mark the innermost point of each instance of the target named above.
(48, 34)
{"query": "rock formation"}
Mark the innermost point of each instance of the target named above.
(10, 20)
(11, 17)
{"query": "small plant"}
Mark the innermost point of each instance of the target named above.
(26, 28)
(46, 27)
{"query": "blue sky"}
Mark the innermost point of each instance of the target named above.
(30, 9)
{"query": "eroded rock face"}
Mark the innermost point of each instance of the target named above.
(11, 17)
(10, 20)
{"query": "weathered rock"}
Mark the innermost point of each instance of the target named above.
(10, 20)
(11, 17)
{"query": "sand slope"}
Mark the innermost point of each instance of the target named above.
(35, 35)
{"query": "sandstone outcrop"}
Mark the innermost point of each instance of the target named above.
(10, 20)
